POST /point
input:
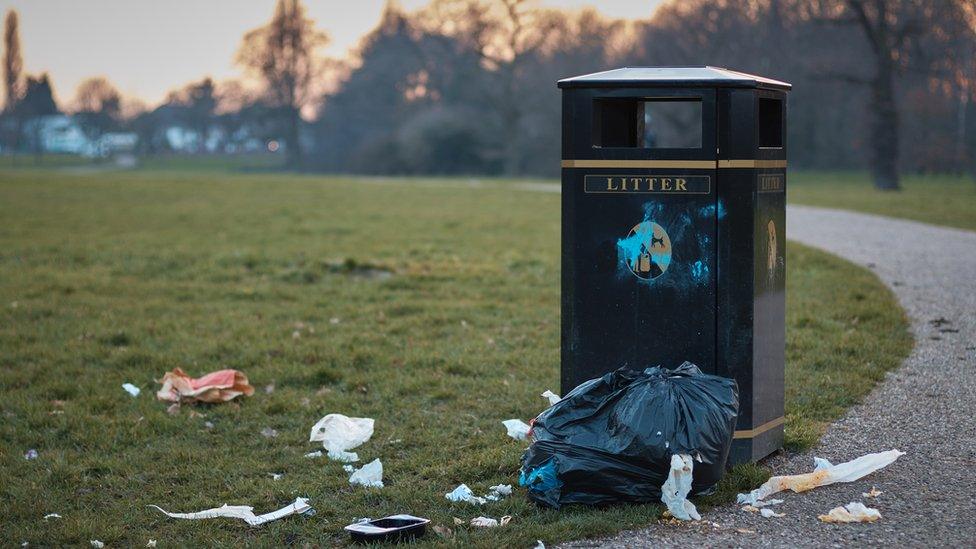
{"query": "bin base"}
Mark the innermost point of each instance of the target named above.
(755, 444)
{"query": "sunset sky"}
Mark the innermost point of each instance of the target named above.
(148, 47)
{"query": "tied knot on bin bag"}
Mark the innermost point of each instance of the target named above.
(612, 438)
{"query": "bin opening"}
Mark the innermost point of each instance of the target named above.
(770, 123)
(665, 123)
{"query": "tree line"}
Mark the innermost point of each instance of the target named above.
(468, 86)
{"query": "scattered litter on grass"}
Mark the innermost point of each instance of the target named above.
(852, 512)
(370, 475)
(315, 454)
(443, 531)
(498, 491)
(463, 493)
(347, 468)
(96, 543)
(276, 476)
(219, 386)
(674, 491)
(246, 513)
(873, 493)
(553, 397)
(51, 516)
(131, 389)
(394, 528)
(151, 543)
(269, 388)
(173, 409)
(268, 432)
(826, 474)
(458, 521)
(208, 425)
(339, 433)
(517, 428)
(488, 522)
(766, 512)
(539, 544)
(334, 320)
(30, 454)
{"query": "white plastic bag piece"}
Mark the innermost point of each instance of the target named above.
(820, 463)
(131, 389)
(852, 512)
(463, 493)
(244, 512)
(339, 433)
(315, 454)
(769, 513)
(674, 492)
(517, 428)
(553, 397)
(499, 491)
(484, 522)
(370, 475)
(844, 472)
(343, 456)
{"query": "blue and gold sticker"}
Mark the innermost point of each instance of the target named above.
(646, 250)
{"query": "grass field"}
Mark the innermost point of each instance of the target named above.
(936, 199)
(119, 277)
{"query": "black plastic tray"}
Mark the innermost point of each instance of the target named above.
(391, 528)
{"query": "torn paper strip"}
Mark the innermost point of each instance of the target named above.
(219, 386)
(370, 475)
(244, 512)
(674, 492)
(339, 433)
(844, 472)
(852, 512)
(516, 428)
(553, 397)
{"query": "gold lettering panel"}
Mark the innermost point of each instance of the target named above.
(647, 184)
(771, 183)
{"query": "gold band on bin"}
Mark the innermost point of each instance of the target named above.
(752, 433)
(674, 164)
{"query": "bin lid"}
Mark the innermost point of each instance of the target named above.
(673, 77)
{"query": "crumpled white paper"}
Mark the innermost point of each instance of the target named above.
(339, 433)
(131, 389)
(517, 428)
(553, 397)
(370, 475)
(674, 491)
(463, 493)
(824, 475)
(244, 512)
(488, 522)
(854, 511)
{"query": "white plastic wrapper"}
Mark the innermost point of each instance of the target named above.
(553, 397)
(370, 475)
(517, 428)
(852, 512)
(463, 493)
(674, 491)
(244, 512)
(484, 522)
(339, 433)
(131, 389)
(766, 512)
(824, 475)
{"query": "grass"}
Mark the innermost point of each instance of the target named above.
(118, 277)
(936, 199)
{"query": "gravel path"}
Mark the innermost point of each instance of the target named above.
(927, 408)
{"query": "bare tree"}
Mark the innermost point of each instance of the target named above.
(98, 105)
(13, 63)
(283, 54)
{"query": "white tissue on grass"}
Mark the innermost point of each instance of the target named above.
(348, 468)
(499, 491)
(51, 516)
(516, 428)
(463, 493)
(769, 513)
(852, 512)
(244, 512)
(553, 397)
(674, 492)
(96, 543)
(315, 454)
(370, 475)
(825, 475)
(131, 389)
(339, 433)
(484, 522)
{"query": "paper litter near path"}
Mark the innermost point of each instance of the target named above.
(463, 493)
(766, 512)
(852, 512)
(674, 491)
(219, 386)
(244, 512)
(824, 475)
(370, 475)
(339, 433)
(131, 389)
(553, 397)
(516, 428)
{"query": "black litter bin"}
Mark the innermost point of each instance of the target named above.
(673, 232)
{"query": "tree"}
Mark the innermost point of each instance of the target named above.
(38, 98)
(98, 105)
(13, 63)
(283, 54)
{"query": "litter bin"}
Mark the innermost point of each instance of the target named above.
(673, 232)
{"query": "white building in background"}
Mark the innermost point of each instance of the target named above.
(59, 133)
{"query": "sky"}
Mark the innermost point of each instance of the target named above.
(149, 47)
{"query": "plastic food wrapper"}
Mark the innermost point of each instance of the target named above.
(611, 439)
(131, 389)
(824, 474)
(245, 513)
(517, 428)
(339, 434)
(852, 512)
(674, 492)
(553, 397)
(370, 475)
(219, 386)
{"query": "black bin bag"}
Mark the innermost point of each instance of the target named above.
(611, 439)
